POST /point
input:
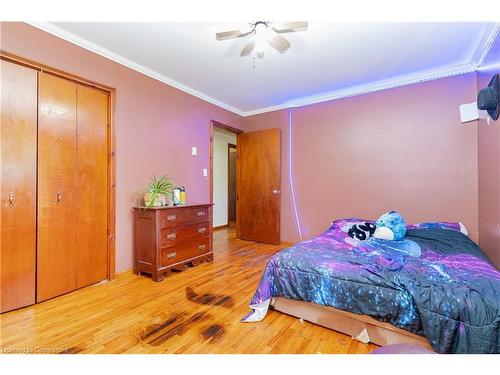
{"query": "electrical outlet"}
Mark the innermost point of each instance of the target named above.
(205, 172)
(194, 151)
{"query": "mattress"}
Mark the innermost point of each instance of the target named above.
(448, 292)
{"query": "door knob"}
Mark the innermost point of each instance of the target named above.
(276, 192)
(58, 197)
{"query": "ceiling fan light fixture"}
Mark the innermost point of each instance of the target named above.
(264, 33)
(261, 36)
(260, 47)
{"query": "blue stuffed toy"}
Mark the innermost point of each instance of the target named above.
(390, 226)
(385, 238)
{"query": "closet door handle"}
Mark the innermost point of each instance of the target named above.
(58, 197)
(11, 199)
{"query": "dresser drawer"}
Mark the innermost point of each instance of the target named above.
(182, 216)
(175, 235)
(176, 254)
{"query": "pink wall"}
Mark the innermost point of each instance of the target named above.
(155, 124)
(489, 167)
(402, 149)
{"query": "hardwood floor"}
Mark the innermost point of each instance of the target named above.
(194, 311)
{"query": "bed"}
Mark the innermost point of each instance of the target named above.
(445, 297)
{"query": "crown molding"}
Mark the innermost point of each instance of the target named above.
(480, 52)
(84, 43)
(484, 45)
(400, 81)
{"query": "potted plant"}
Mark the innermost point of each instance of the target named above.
(158, 192)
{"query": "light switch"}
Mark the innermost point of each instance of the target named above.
(194, 151)
(205, 172)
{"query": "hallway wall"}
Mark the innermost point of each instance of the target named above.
(221, 140)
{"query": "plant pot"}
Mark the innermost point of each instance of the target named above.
(160, 200)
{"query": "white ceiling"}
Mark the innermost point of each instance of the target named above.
(329, 60)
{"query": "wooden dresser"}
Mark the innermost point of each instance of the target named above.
(167, 238)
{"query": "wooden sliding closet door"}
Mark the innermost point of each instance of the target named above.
(92, 181)
(18, 132)
(56, 262)
(72, 186)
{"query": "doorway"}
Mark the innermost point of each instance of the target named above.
(224, 158)
(256, 187)
(231, 184)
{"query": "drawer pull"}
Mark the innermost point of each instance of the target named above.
(171, 236)
(202, 247)
(202, 214)
(202, 230)
(171, 255)
(11, 199)
(171, 218)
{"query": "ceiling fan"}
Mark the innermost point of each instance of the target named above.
(264, 33)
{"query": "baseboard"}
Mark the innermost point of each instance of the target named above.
(129, 270)
(221, 226)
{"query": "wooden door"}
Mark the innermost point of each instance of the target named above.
(92, 180)
(231, 183)
(258, 185)
(56, 263)
(18, 147)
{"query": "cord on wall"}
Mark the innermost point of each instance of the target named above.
(290, 168)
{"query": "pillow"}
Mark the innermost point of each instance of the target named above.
(362, 231)
(342, 226)
(440, 224)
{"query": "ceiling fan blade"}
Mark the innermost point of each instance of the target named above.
(279, 43)
(247, 50)
(229, 34)
(287, 27)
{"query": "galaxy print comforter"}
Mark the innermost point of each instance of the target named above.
(448, 291)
